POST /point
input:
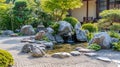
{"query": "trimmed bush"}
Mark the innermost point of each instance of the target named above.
(114, 34)
(90, 27)
(73, 21)
(95, 47)
(116, 46)
(115, 27)
(6, 59)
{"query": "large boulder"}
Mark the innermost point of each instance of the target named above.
(102, 39)
(59, 39)
(7, 32)
(49, 34)
(65, 28)
(80, 34)
(26, 48)
(27, 30)
(38, 51)
(40, 35)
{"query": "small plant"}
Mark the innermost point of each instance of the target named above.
(90, 36)
(46, 38)
(73, 21)
(95, 47)
(90, 27)
(6, 59)
(116, 46)
(114, 34)
(55, 28)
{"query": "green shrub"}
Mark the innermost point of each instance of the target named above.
(114, 34)
(115, 27)
(90, 36)
(116, 46)
(113, 15)
(55, 28)
(6, 58)
(90, 27)
(103, 24)
(71, 20)
(94, 47)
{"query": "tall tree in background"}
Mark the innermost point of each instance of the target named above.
(5, 20)
(58, 8)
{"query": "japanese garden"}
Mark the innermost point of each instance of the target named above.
(59, 33)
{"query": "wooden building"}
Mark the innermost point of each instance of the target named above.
(91, 9)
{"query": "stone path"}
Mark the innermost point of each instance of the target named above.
(14, 46)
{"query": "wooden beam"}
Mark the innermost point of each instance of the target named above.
(87, 10)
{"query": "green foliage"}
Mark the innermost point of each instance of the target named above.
(21, 12)
(45, 38)
(58, 8)
(55, 27)
(90, 27)
(71, 20)
(103, 24)
(90, 36)
(112, 15)
(114, 34)
(115, 27)
(116, 46)
(94, 47)
(6, 58)
(5, 18)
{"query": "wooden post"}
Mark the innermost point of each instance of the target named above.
(87, 12)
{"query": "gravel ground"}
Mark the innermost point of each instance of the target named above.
(13, 45)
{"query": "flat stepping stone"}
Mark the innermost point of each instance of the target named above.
(13, 35)
(61, 55)
(85, 50)
(75, 53)
(28, 40)
(106, 59)
(116, 61)
(90, 54)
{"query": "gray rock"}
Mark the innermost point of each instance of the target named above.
(27, 48)
(75, 53)
(40, 35)
(106, 59)
(102, 39)
(84, 50)
(38, 51)
(28, 40)
(59, 39)
(90, 54)
(49, 34)
(65, 28)
(27, 30)
(40, 27)
(115, 40)
(49, 45)
(7, 32)
(13, 35)
(80, 34)
(61, 55)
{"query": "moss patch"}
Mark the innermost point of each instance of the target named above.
(66, 48)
